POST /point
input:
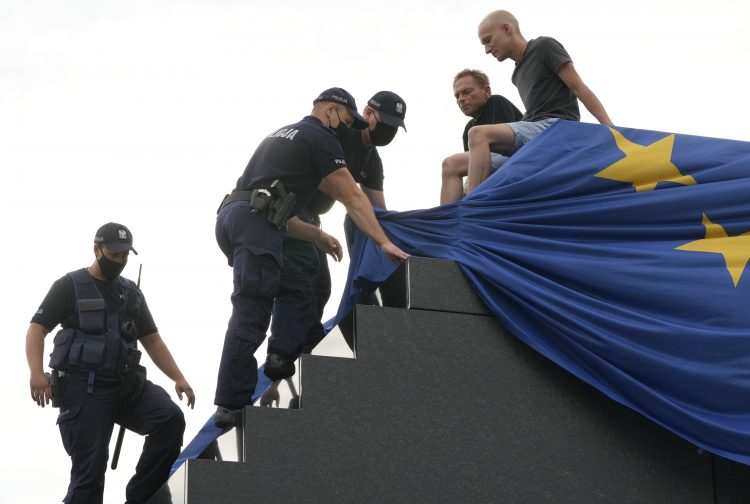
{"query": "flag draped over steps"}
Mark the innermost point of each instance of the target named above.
(621, 255)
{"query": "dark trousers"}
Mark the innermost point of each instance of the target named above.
(253, 249)
(322, 293)
(305, 288)
(295, 308)
(346, 324)
(86, 421)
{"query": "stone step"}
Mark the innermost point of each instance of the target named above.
(423, 283)
(443, 405)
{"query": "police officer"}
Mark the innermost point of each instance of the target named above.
(96, 378)
(295, 159)
(305, 277)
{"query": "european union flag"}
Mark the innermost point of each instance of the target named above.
(619, 254)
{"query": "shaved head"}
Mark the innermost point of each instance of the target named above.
(496, 19)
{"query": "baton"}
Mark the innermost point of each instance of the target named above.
(118, 447)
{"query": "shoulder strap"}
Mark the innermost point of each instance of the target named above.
(85, 287)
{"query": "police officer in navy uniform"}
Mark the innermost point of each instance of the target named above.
(305, 277)
(293, 160)
(96, 379)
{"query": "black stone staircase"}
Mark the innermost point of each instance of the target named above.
(441, 404)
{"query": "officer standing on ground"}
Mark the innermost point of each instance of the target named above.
(305, 277)
(283, 173)
(97, 380)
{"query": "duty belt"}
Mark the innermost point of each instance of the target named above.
(251, 195)
(273, 200)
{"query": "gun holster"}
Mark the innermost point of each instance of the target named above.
(280, 206)
(57, 382)
(272, 200)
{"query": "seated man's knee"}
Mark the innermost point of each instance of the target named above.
(497, 135)
(455, 166)
(478, 135)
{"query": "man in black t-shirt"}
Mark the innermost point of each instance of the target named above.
(97, 380)
(475, 99)
(250, 230)
(305, 277)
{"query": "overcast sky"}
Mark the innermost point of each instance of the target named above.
(146, 112)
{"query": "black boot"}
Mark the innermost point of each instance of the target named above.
(279, 365)
(226, 418)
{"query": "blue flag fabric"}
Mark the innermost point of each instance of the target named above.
(619, 254)
(210, 433)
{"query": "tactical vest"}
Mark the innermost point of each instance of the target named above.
(102, 339)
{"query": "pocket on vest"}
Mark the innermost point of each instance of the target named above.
(62, 343)
(92, 316)
(91, 350)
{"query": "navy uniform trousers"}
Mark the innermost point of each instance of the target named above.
(86, 421)
(252, 247)
(316, 332)
(346, 324)
(303, 292)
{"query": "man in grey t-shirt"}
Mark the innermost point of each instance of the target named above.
(548, 84)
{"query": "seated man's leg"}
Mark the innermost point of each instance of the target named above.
(157, 417)
(455, 168)
(498, 136)
(496, 162)
(525, 131)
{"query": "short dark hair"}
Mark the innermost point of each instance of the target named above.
(478, 75)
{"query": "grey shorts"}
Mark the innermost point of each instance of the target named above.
(496, 161)
(526, 130)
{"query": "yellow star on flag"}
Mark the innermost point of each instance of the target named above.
(644, 165)
(735, 249)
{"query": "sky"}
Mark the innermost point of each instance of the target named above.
(145, 112)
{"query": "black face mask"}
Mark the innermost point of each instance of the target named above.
(110, 269)
(382, 134)
(341, 131)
